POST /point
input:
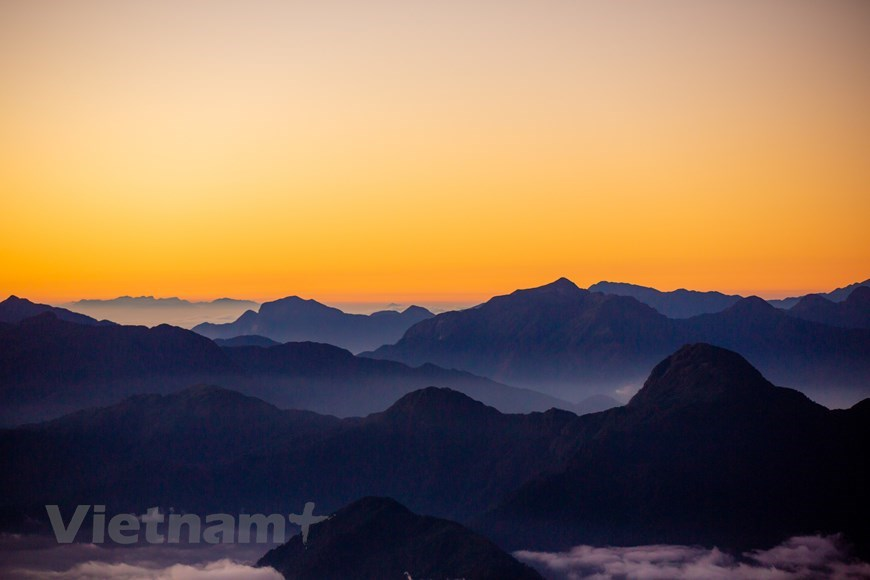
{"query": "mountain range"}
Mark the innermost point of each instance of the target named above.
(853, 312)
(680, 303)
(49, 366)
(151, 311)
(837, 295)
(297, 319)
(570, 342)
(14, 309)
(707, 452)
(687, 303)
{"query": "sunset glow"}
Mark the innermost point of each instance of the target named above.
(431, 151)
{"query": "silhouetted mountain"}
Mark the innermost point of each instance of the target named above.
(573, 343)
(14, 309)
(837, 295)
(150, 311)
(561, 339)
(436, 450)
(376, 538)
(246, 340)
(676, 304)
(853, 312)
(295, 319)
(708, 452)
(49, 367)
(831, 365)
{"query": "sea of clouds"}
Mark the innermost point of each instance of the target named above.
(799, 557)
(42, 558)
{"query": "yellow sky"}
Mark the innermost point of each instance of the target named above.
(413, 151)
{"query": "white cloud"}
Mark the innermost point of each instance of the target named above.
(41, 558)
(799, 557)
(220, 570)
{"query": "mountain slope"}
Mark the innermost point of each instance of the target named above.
(49, 367)
(295, 319)
(563, 340)
(572, 343)
(376, 538)
(14, 309)
(676, 304)
(708, 452)
(837, 295)
(853, 312)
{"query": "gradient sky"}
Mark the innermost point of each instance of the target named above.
(414, 151)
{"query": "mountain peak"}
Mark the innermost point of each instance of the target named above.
(438, 404)
(377, 537)
(698, 373)
(752, 305)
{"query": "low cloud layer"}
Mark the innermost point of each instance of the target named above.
(41, 558)
(799, 557)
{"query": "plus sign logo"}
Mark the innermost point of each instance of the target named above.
(306, 520)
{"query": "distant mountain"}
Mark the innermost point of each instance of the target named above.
(837, 295)
(563, 340)
(246, 340)
(14, 309)
(151, 311)
(49, 367)
(573, 343)
(376, 538)
(296, 319)
(676, 304)
(708, 452)
(853, 312)
(831, 365)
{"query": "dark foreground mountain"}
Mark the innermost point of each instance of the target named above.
(379, 539)
(49, 367)
(853, 312)
(246, 340)
(708, 452)
(573, 343)
(14, 309)
(298, 320)
(676, 304)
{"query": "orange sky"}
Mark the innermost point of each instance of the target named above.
(412, 151)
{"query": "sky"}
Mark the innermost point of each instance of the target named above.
(409, 151)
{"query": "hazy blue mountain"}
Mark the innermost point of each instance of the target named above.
(15, 309)
(49, 367)
(151, 311)
(296, 319)
(573, 343)
(676, 304)
(566, 341)
(376, 538)
(853, 312)
(837, 295)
